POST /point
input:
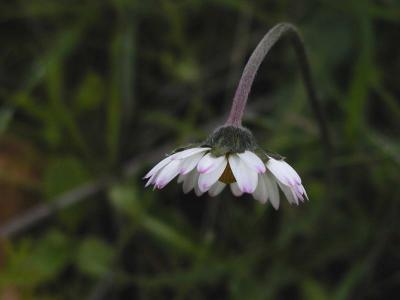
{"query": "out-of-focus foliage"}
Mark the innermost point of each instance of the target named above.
(96, 91)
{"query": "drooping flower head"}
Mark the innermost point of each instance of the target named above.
(231, 156)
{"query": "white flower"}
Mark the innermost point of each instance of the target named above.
(245, 172)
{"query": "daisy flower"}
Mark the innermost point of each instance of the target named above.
(231, 157)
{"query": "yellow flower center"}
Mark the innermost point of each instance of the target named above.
(227, 176)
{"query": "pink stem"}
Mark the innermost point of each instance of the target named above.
(251, 68)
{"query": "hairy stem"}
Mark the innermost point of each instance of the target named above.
(254, 62)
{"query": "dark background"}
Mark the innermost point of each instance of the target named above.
(93, 93)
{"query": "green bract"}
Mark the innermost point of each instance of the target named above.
(231, 139)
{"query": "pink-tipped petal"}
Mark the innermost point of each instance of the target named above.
(252, 161)
(167, 174)
(158, 167)
(276, 169)
(246, 177)
(298, 192)
(209, 162)
(292, 172)
(304, 192)
(288, 179)
(189, 163)
(283, 172)
(206, 180)
(300, 196)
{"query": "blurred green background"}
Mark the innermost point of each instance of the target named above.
(93, 93)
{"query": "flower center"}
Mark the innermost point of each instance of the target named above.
(227, 176)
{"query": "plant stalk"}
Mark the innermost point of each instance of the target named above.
(253, 64)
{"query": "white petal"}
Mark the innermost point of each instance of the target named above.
(216, 189)
(283, 172)
(303, 190)
(261, 193)
(206, 180)
(292, 172)
(189, 152)
(253, 161)
(272, 189)
(190, 181)
(181, 178)
(279, 172)
(289, 194)
(151, 180)
(158, 167)
(189, 163)
(235, 190)
(298, 192)
(246, 178)
(167, 174)
(197, 190)
(154, 177)
(209, 162)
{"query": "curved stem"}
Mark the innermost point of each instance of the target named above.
(254, 62)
